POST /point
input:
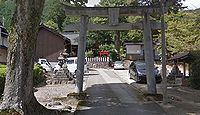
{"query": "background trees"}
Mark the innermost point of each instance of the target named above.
(183, 26)
(7, 8)
(183, 31)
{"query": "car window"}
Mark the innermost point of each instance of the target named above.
(70, 61)
(118, 62)
(141, 66)
(43, 62)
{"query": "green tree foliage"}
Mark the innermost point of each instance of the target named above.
(112, 3)
(183, 32)
(195, 78)
(98, 38)
(7, 8)
(53, 14)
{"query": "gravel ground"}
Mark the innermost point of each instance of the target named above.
(47, 94)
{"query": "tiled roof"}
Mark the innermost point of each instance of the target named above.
(180, 56)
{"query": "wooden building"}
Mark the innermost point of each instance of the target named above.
(50, 44)
(3, 45)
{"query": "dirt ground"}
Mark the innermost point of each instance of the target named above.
(183, 101)
(55, 96)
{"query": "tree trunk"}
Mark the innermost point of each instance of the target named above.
(18, 92)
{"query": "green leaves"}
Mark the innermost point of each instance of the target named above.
(53, 14)
(183, 33)
(7, 8)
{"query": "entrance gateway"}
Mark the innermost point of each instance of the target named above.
(113, 14)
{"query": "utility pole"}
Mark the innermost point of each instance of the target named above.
(81, 53)
(164, 81)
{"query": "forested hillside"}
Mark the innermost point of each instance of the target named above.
(183, 32)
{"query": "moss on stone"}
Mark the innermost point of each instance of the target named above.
(9, 112)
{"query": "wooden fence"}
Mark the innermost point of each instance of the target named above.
(98, 62)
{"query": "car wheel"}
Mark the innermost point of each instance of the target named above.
(129, 74)
(137, 78)
(55, 71)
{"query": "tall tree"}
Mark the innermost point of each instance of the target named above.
(18, 92)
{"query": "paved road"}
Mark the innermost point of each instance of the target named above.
(108, 95)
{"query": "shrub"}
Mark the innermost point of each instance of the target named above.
(89, 54)
(2, 70)
(2, 78)
(195, 74)
(38, 75)
(194, 79)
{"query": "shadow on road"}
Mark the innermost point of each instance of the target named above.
(116, 99)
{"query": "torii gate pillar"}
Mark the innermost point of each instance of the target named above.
(149, 59)
(81, 53)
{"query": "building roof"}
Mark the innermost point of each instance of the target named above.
(54, 32)
(72, 36)
(180, 56)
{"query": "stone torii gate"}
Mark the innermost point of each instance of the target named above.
(113, 14)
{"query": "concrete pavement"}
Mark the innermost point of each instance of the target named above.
(181, 100)
(111, 95)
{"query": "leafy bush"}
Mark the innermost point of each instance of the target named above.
(2, 70)
(2, 78)
(195, 72)
(38, 75)
(89, 54)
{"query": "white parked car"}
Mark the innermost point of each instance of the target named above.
(45, 64)
(56, 68)
(118, 65)
(72, 65)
